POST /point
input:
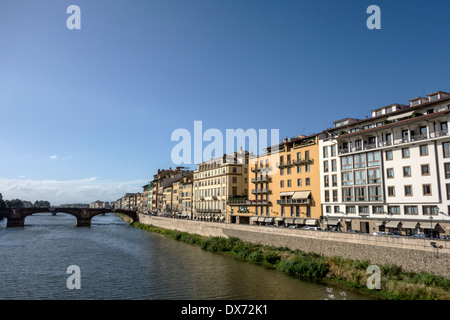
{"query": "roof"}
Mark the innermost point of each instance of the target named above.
(402, 122)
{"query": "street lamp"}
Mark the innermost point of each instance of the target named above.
(431, 225)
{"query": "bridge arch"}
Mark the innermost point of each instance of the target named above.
(16, 217)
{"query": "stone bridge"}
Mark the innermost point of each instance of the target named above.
(16, 217)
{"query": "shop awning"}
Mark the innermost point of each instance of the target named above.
(392, 224)
(286, 194)
(268, 220)
(379, 223)
(332, 222)
(289, 220)
(301, 194)
(311, 222)
(428, 225)
(400, 116)
(279, 219)
(409, 224)
(253, 219)
(261, 219)
(299, 221)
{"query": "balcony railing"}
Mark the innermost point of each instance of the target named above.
(440, 133)
(285, 164)
(303, 161)
(260, 202)
(260, 191)
(255, 169)
(294, 201)
(262, 179)
(241, 202)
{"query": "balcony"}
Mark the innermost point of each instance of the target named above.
(294, 201)
(262, 179)
(440, 133)
(261, 191)
(260, 202)
(300, 162)
(238, 201)
(285, 164)
(255, 169)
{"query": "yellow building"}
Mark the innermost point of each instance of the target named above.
(284, 186)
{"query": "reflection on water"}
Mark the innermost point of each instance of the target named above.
(118, 261)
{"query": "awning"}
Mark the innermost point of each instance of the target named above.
(392, 224)
(289, 220)
(261, 219)
(279, 219)
(400, 116)
(311, 222)
(379, 223)
(286, 194)
(301, 195)
(332, 222)
(253, 219)
(299, 221)
(409, 224)
(268, 220)
(428, 225)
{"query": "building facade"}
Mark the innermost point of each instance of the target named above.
(391, 171)
(217, 180)
(284, 186)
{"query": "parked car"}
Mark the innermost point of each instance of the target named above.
(419, 235)
(395, 233)
(353, 231)
(378, 233)
(292, 226)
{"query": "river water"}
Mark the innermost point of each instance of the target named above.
(117, 261)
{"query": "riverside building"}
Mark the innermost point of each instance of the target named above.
(217, 180)
(391, 171)
(284, 186)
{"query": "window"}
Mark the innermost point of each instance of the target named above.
(411, 210)
(377, 209)
(325, 166)
(234, 169)
(336, 209)
(306, 155)
(390, 173)
(374, 175)
(389, 155)
(359, 161)
(407, 171)
(326, 181)
(427, 210)
(288, 170)
(361, 194)
(347, 194)
(408, 191)
(307, 167)
(299, 169)
(299, 156)
(447, 170)
(347, 163)
(325, 152)
(424, 150)
(394, 209)
(347, 178)
(350, 209)
(333, 165)
(405, 152)
(426, 189)
(360, 176)
(282, 184)
(289, 183)
(446, 147)
(373, 159)
(334, 180)
(425, 169)
(375, 193)
(299, 182)
(448, 191)
(282, 172)
(333, 150)
(307, 181)
(335, 196)
(234, 180)
(363, 209)
(327, 196)
(328, 209)
(391, 191)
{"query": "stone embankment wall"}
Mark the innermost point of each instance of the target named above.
(411, 254)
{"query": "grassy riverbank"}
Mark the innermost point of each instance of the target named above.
(395, 282)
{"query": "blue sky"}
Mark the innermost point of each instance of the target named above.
(88, 114)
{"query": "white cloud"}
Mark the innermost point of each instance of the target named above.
(67, 191)
(54, 157)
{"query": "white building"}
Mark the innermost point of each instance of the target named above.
(390, 171)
